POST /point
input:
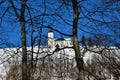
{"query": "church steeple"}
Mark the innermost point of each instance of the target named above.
(50, 34)
(50, 38)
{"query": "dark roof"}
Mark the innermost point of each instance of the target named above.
(59, 39)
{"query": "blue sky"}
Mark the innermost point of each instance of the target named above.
(90, 22)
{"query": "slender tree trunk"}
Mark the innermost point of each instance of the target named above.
(79, 59)
(24, 52)
(21, 18)
(24, 49)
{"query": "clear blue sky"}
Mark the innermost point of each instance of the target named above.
(89, 23)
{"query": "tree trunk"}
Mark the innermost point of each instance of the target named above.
(79, 59)
(24, 52)
(21, 18)
(24, 49)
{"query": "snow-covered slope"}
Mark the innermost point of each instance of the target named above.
(11, 55)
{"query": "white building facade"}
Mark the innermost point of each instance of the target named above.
(62, 42)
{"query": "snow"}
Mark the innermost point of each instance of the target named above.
(9, 54)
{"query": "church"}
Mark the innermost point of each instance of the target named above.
(62, 42)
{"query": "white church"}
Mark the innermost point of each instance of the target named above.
(62, 42)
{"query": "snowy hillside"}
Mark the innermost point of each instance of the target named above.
(9, 56)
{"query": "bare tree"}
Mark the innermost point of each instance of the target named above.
(78, 57)
(55, 13)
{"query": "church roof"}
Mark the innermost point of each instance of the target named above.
(59, 39)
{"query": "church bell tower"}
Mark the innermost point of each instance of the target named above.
(50, 38)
